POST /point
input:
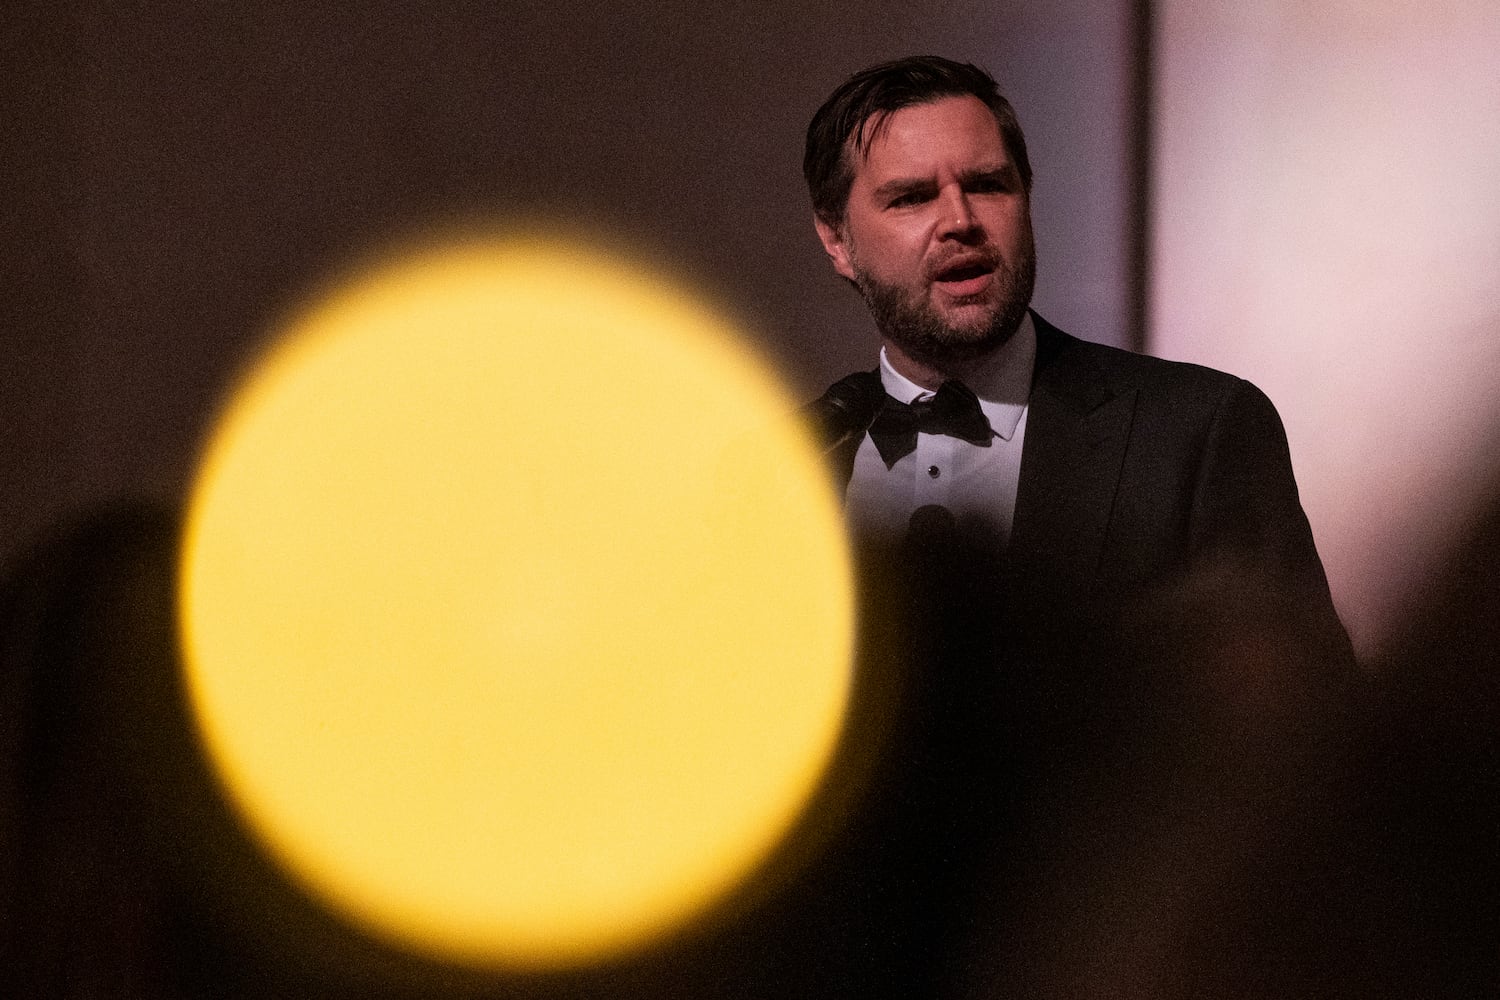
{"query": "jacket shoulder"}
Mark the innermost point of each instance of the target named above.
(1067, 363)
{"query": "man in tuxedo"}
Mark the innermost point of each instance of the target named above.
(1052, 535)
(1083, 473)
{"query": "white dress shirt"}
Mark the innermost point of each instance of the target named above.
(976, 484)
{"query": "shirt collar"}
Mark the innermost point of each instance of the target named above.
(1003, 385)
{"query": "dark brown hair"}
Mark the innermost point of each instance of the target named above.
(838, 130)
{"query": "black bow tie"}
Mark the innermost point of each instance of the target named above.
(953, 411)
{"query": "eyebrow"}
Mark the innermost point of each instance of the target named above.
(904, 185)
(900, 186)
(1001, 172)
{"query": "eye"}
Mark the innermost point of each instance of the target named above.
(908, 198)
(996, 183)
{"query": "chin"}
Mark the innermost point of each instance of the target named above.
(991, 330)
(951, 347)
(941, 335)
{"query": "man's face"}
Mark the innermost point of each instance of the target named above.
(937, 233)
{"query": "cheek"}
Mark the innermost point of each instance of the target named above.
(890, 255)
(1013, 228)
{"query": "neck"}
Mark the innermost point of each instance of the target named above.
(931, 374)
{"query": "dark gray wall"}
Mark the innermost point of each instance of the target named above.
(178, 175)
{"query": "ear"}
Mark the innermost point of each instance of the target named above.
(836, 244)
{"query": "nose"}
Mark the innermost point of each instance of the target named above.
(955, 218)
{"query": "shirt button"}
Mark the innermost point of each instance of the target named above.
(934, 471)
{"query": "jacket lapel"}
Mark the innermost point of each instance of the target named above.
(1077, 429)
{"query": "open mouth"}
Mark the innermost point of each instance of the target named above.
(968, 276)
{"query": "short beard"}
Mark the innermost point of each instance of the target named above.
(913, 325)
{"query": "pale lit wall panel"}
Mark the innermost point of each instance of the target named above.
(1326, 222)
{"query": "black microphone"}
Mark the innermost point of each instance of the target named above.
(846, 410)
(932, 526)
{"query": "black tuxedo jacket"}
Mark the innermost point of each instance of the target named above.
(1160, 578)
(1136, 473)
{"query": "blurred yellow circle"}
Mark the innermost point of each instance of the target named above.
(516, 613)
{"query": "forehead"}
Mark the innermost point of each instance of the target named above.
(951, 132)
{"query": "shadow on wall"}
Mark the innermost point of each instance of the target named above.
(1210, 814)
